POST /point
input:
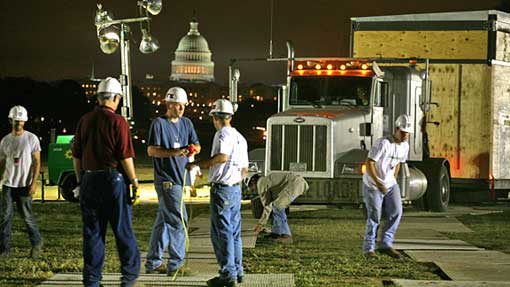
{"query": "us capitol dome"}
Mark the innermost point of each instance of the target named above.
(193, 58)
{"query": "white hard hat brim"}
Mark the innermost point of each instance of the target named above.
(409, 130)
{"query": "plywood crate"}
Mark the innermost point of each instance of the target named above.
(470, 81)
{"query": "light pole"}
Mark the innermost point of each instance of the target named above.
(112, 33)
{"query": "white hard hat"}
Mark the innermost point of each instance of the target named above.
(176, 95)
(222, 106)
(110, 85)
(18, 113)
(404, 123)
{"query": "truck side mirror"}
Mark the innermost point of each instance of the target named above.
(426, 95)
(365, 129)
(384, 94)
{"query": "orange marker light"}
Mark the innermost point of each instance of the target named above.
(300, 67)
(342, 67)
(318, 66)
(330, 67)
(364, 66)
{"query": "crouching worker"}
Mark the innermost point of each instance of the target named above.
(380, 188)
(277, 191)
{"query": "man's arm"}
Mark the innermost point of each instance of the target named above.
(373, 174)
(397, 170)
(218, 158)
(157, 151)
(36, 168)
(2, 169)
(77, 169)
(129, 168)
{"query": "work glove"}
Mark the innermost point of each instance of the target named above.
(134, 196)
(76, 192)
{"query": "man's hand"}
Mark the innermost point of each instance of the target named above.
(258, 228)
(183, 152)
(191, 165)
(32, 189)
(76, 192)
(382, 188)
(134, 197)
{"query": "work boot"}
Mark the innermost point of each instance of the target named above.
(35, 252)
(284, 239)
(370, 255)
(221, 282)
(390, 252)
(240, 279)
(182, 271)
(159, 270)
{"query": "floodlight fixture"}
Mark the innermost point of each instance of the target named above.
(152, 6)
(148, 44)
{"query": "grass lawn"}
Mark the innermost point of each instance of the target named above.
(326, 251)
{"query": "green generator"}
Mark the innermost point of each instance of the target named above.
(60, 166)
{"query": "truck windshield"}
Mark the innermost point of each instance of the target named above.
(330, 91)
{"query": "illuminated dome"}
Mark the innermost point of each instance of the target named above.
(193, 58)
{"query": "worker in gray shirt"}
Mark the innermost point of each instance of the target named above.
(277, 191)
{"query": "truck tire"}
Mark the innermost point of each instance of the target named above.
(438, 190)
(257, 208)
(66, 186)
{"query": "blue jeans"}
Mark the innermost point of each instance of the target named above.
(390, 206)
(280, 225)
(103, 200)
(168, 230)
(226, 229)
(24, 204)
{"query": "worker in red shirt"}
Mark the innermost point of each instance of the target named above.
(101, 144)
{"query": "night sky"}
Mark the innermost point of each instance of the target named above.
(56, 39)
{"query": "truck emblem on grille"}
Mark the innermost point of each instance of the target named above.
(299, 120)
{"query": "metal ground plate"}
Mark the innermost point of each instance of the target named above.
(489, 256)
(422, 244)
(430, 283)
(475, 271)
(113, 279)
(440, 224)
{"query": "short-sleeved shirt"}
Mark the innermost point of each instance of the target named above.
(17, 152)
(387, 155)
(230, 142)
(169, 135)
(102, 139)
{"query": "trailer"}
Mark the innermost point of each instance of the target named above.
(469, 119)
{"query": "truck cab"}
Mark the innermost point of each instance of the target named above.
(333, 110)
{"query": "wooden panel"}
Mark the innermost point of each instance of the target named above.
(475, 132)
(445, 92)
(500, 155)
(503, 46)
(463, 95)
(421, 44)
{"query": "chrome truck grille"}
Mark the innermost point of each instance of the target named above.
(300, 148)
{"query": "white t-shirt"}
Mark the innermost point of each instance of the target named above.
(17, 153)
(387, 155)
(230, 142)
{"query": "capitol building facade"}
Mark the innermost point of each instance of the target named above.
(193, 58)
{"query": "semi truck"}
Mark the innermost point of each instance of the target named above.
(333, 110)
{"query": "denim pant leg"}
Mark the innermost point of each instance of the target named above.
(280, 225)
(24, 205)
(6, 211)
(168, 230)
(120, 220)
(392, 212)
(236, 223)
(94, 228)
(222, 230)
(373, 203)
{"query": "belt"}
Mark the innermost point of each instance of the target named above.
(217, 184)
(110, 169)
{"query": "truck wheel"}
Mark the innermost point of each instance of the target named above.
(256, 207)
(438, 193)
(66, 186)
